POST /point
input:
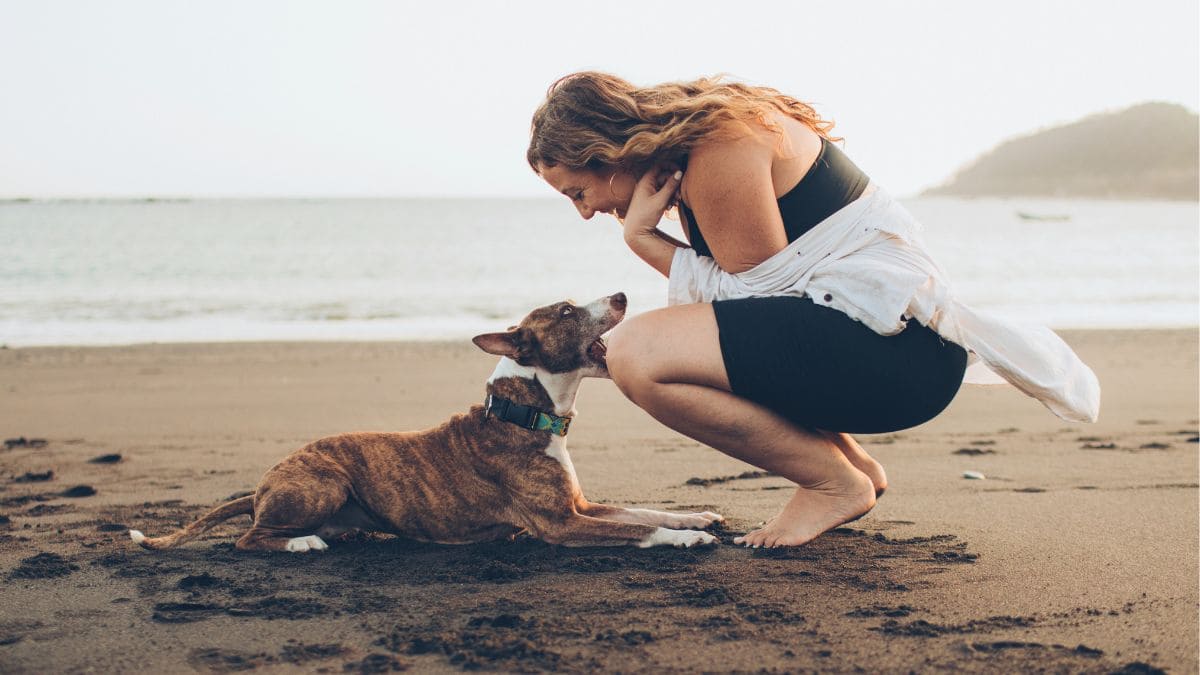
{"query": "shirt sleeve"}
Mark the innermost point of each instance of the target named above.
(693, 278)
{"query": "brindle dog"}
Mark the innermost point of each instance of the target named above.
(475, 477)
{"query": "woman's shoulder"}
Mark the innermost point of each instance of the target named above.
(717, 166)
(753, 151)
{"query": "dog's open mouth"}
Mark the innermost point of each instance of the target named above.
(597, 351)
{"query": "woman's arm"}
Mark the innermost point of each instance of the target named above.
(656, 247)
(731, 194)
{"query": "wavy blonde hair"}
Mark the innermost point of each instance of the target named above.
(593, 120)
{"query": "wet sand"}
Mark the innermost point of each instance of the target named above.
(1077, 553)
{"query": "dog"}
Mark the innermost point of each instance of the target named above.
(494, 472)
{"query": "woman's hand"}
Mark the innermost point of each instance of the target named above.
(653, 194)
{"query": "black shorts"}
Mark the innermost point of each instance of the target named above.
(823, 370)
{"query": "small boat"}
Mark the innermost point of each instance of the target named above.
(1025, 215)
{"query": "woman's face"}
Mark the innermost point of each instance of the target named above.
(592, 192)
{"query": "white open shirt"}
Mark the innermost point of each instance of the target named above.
(867, 260)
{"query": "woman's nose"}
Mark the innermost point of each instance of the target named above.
(585, 211)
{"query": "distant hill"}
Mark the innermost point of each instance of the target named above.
(1148, 151)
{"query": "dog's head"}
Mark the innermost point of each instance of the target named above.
(560, 338)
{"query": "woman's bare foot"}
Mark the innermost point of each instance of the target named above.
(860, 459)
(814, 510)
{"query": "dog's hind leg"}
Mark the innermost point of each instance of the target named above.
(295, 498)
(263, 539)
(288, 516)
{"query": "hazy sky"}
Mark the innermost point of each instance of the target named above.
(347, 98)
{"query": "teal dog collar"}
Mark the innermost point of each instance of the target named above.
(525, 416)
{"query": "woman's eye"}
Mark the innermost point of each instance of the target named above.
(578, 196)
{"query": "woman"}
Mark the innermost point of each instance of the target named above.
(770, 353)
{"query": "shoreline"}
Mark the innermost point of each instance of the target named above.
(1077, 553)
(235, 342)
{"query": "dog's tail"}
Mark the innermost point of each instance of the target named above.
(223, 512)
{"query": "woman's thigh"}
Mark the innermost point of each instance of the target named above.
(679, 344)
(813, 365)
(821, 369)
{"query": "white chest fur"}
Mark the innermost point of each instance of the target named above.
(562, 389)
(558, 450)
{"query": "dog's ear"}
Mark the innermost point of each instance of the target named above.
(500, 344)
(516, 343)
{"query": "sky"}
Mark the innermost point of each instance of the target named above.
(433, 99)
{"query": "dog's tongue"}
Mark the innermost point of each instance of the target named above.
(597, 351)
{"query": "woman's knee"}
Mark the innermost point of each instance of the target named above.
(666, 346)
(627, 357)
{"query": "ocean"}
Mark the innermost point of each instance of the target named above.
(121, 272)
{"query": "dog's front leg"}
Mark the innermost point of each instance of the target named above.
(580, 530)
(666, 519)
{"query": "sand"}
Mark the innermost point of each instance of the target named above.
(1077, 553)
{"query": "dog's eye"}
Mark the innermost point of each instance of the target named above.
(566, 311)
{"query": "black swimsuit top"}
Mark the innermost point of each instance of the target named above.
(832, 182)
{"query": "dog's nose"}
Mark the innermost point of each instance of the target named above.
(618, 300)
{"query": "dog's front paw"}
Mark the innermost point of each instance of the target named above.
(697, 539)
(305, 544)
(708, 518)
(678, 538)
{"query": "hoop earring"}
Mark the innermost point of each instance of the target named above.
(610, 187)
